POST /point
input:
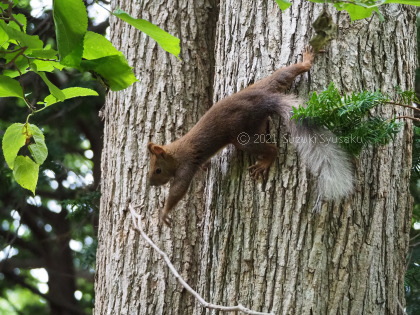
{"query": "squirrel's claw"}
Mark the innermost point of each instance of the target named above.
(164, 218)
(258, 170)
(308, 54)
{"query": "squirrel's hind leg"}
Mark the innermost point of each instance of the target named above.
(265, 154)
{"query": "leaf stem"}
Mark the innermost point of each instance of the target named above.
(27, 118)
(40, 109)
(12, 51)
(37, 58)
(97, 2)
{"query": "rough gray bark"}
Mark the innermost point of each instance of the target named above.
(235, 240)
(168, 100)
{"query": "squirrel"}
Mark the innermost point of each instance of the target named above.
(248, 111)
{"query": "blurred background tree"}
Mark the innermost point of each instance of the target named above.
(48, 242)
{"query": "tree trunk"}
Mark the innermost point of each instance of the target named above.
(170, 97)
(235, 240)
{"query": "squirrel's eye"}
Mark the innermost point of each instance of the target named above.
(158, 171)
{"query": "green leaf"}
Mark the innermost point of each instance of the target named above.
(104, 59)
(58, 94)
(283, 4)
(168, 42)
(20, 63)
(114, 70)
(26, 172)
(43, 53)
(21, 19)
(24, 40)
(14, 138)
(12, 55)
(70, 93)
(47, 66)
(409, 2)
(3, 38)
(38, 149)
(10, 87)
(356, 12)
(97, 46)
(70, 18)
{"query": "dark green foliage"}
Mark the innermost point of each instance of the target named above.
(81, 206)
(88, 255)
(71, 128)
(412, 276)
(349, 118)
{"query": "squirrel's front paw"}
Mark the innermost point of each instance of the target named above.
(259, 170)
(308, 54)
(164, 218)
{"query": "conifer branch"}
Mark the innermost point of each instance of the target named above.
(351, 116)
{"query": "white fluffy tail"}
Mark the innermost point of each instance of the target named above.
(319, 149)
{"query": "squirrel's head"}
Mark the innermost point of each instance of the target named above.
(162, 165)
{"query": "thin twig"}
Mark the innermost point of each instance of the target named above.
(408, 259)
(401, 307)
(12, 18)
(414, 237)
(403, 105)
(408, 117)
(17, 55)
(415, 244)
(12, 51)
(138, 226)
(97, 2)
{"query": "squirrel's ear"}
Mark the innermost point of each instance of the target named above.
(155, 149)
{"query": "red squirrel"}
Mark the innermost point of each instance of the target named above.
(248, 111)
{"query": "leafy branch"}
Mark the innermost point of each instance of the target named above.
(350, 117)
(7, 15)
(23, 144)
(357, 9)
